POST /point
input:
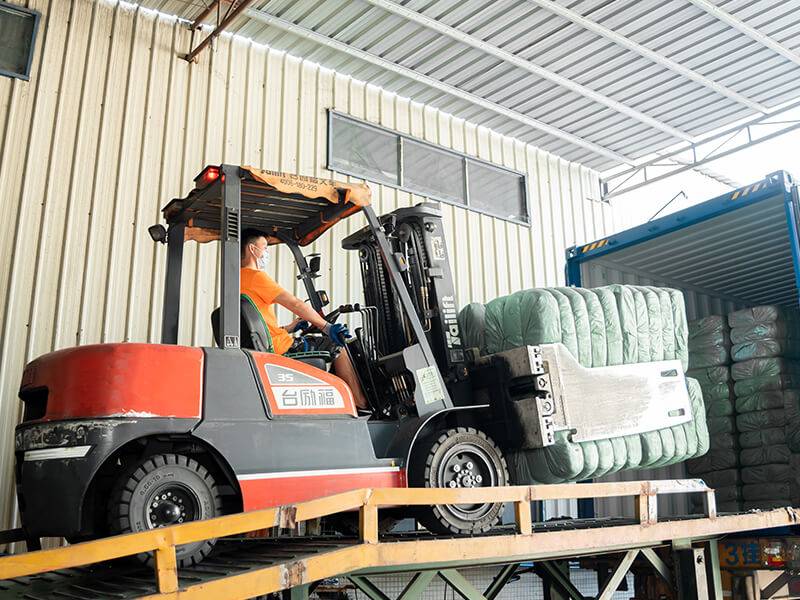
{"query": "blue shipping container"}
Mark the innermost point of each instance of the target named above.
(737, 250)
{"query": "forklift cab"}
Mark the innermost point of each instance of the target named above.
(292, 210)
(254, 335)
(289, 209)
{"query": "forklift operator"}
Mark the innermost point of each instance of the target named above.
(265, 291)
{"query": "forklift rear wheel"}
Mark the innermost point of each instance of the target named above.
(162, 490)
(459, 458)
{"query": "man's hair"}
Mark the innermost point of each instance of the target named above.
(249, 236)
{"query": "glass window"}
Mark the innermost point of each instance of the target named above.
(17, 34)
(364, 151)
(373, 153)
(433, 172)
(496, 191)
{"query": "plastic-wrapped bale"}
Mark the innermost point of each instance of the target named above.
(757, 316)
(727, 486)
(709, 342)
(709, 357)
(772, 484)
(471, 325)
(610, 325)
(712, 461)
(567, 461)
(764, 332)
(765, 374)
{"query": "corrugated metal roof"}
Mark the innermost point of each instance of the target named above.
(677, 72)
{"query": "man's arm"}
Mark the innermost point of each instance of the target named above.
(300, 309)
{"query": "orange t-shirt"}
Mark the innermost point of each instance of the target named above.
(263, 290)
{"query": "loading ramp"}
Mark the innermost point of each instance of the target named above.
(246, 567)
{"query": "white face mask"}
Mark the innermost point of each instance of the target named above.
(263, 260)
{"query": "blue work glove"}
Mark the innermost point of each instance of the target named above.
(337, 332)
(299, 326)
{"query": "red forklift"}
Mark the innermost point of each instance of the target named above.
(125, 437)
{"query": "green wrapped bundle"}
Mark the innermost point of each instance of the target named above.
(604, 326)
(710, 376)
(718, 408)
(763, 367)
(724, 441)
(567, 461)
(754, 385)
(764, 504)
(712, 461)
(610, 325)
(765, 455)
(722, 478)
(760, 420)
(769, 330)
(772, 473)
(709, 342)
(783, 492)
(756, 315)
(717, 425)
(775, 399)
(769, 348)
(763, 437)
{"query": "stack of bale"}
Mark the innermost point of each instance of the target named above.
(709, 363)
(612, 325)
(766, 346)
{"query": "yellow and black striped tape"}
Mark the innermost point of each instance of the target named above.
(594, 246)
(750, 188)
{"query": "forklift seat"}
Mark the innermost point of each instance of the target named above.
(254, 335)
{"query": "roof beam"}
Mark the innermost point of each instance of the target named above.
(747, 30)
(521, 63)
(657, 58)
(230, 15)
(269, 19)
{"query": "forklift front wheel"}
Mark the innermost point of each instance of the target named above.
(458, 458)
(163, 490)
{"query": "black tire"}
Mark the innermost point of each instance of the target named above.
(444, 464)
(165, 489)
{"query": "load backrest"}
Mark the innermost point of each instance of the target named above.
(254, 333)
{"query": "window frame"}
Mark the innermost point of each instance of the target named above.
(26, 76)
(399, 185)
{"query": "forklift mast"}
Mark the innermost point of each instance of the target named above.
(419, 250)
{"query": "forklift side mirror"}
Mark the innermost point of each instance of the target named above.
(314, 263)
(158, 233)
(323, 298)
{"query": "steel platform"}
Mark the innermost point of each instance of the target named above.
(245, 567)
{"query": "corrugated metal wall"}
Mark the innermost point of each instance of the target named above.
(113, 124)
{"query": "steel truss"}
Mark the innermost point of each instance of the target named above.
(692, 571)
(693, 156)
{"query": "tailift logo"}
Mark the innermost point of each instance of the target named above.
(450, 320)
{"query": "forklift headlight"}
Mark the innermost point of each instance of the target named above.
(57, 453)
